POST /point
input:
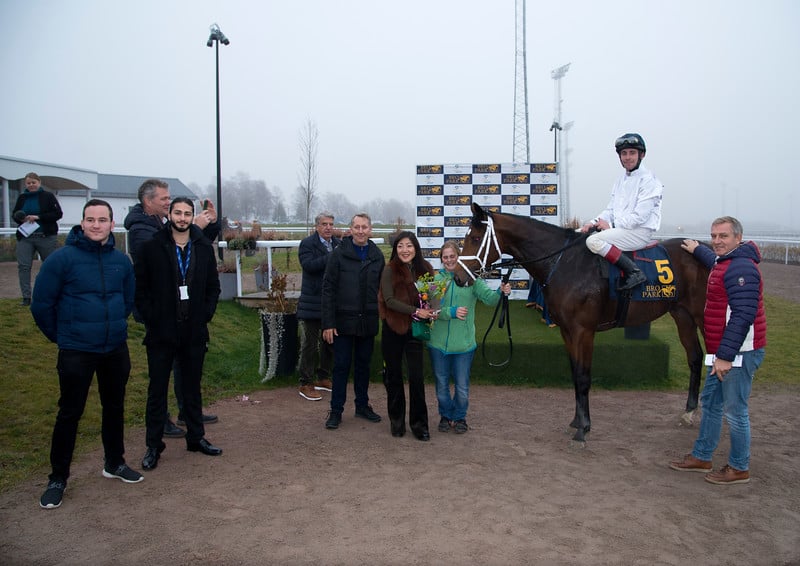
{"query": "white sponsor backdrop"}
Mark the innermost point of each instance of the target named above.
(445, 193)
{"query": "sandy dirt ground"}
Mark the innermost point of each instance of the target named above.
(514, 490)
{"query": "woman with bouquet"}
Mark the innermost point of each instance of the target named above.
(399, 303)
(452, 344)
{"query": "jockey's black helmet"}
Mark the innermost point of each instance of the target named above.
(630, 141)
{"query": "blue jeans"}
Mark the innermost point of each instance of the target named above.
(728, 397)
(357, 350)
(458, 366)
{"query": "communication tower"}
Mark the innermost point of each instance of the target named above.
(522, 153)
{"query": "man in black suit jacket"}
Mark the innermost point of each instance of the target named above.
(313, 255)
(177, 288)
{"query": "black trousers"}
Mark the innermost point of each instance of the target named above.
(394, 346)
(188, 358)
(75, 372)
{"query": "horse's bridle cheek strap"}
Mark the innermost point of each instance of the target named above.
(488, 241)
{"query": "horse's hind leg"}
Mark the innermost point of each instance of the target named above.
(687, 332)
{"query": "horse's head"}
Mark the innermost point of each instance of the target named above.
(480, 248)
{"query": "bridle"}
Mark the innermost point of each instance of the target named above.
(488, 242)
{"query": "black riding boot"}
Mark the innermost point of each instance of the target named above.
(633, 275)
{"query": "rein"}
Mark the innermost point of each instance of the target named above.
(505, 318)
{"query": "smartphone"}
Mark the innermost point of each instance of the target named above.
(205, 204)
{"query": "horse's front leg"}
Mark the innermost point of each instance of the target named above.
(580, 358)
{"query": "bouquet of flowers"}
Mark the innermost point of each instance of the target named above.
(429, 290)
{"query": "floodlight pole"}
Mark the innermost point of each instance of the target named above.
(214, 39)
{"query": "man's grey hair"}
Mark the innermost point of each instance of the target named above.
(361, 215)
(148, 188)
(737, 226)
(321, 215)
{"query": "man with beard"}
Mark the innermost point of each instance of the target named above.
(177, 287)
(142, 223)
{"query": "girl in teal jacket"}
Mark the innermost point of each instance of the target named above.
(452, 345)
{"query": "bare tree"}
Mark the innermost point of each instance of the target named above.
(309, 144)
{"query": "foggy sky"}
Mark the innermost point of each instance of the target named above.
(128, 88)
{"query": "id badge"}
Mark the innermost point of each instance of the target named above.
(184, 290)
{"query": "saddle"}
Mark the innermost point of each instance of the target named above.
(654, 261)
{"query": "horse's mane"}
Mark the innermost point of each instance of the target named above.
(567, 234)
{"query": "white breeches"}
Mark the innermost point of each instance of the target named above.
(624, 240)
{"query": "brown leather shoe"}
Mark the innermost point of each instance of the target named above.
(727, 476)
(308, 392)
(691, 464)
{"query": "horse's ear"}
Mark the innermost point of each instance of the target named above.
(478, 214)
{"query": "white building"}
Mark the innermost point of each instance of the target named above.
(73, 187)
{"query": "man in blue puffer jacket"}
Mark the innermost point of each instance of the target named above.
(81, 301)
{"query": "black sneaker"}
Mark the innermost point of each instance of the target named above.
(124, 473)
(444, 424)
(461, 426)
(52, 496)
(334, 420)
(26, 303)
(207, 419)
(366, 412)
(172, 431)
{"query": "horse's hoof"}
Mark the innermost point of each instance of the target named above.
(687, 418)
(574, 443)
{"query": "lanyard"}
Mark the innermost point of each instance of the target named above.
(183, 265)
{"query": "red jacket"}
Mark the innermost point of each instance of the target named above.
(734, 319)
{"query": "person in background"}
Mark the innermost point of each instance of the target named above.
(536, 301)
(633, 214)
(83, 295)
(38, 210)
(398, 301)
(316, 355)
(735, 332)
(452, 345)
(350, 316)
(177, 288)
(143, 221)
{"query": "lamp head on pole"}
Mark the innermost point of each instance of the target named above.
(216, 35)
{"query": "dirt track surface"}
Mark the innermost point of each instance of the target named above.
(513, 490)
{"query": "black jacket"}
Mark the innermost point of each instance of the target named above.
(49, 211)
(142, 227)
(157, 280)
(350, 290)
(313, 258)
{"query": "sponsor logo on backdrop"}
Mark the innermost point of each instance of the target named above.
(511, 178)
(437, 232)
(429, 169)
(430, 211)
(539, 210)
(457, 220)
(431, 252)
(516, 199)
(486, 168)
(486, 189)
(543, 168)
(454, 200)
(457, 179)
(544, 189)
(430, 189)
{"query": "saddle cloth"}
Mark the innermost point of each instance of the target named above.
(655, 263)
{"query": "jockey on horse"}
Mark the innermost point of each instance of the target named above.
(633, 214)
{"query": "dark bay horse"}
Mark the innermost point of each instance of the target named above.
(578, 296)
